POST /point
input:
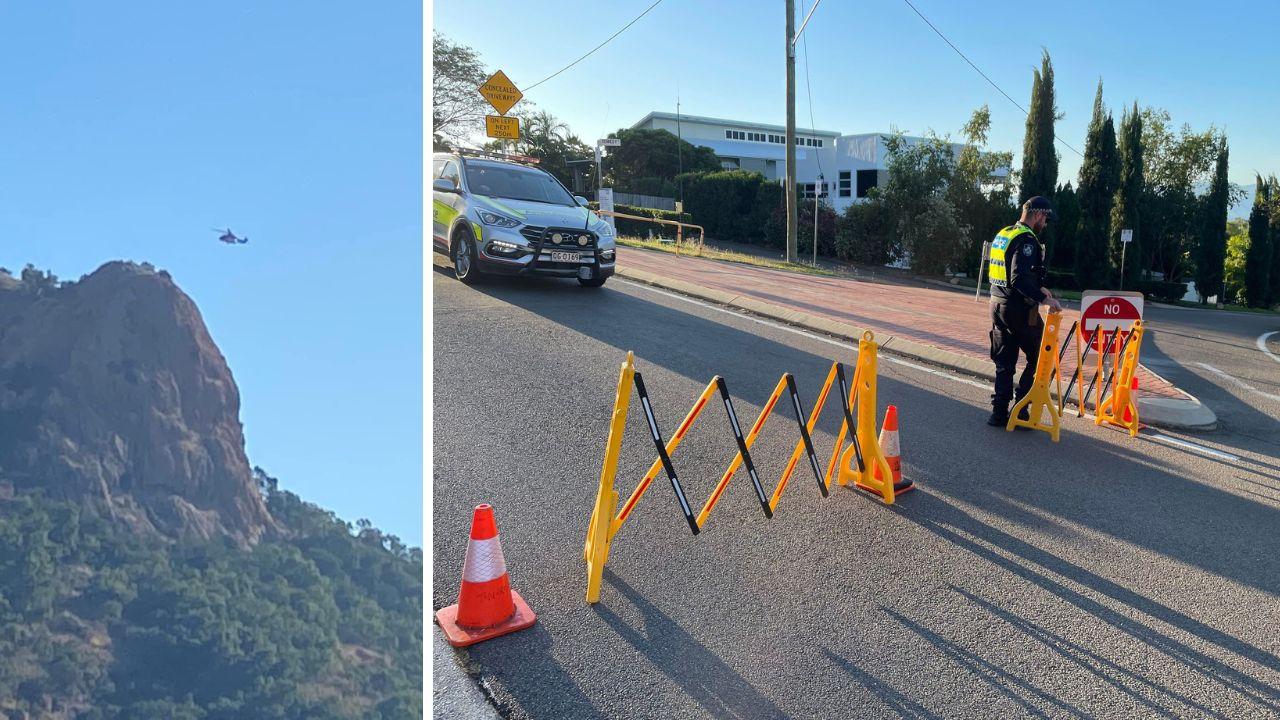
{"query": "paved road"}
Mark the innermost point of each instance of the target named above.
(1124, 578)
(1215, 356)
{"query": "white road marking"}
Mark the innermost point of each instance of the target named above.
(1262, 345)
(1192, 446)
(1238, 381)
(1146, 432)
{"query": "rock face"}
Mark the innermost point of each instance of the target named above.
(113, 393)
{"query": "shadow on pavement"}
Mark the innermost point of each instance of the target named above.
(535, 683)
(1007, 684)
(901, 705)
(958, 527)
(718, 688)
(1107, 671)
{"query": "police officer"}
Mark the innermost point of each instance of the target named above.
(1016, 270)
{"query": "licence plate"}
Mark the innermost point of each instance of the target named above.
(565, 257)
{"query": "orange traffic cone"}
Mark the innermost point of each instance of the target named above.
(487, 606)
(892, 452)
(1128, 415)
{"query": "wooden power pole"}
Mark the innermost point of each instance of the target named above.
(790, 189)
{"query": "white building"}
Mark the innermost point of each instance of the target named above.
(842, 168)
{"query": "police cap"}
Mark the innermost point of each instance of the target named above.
(1040, 203)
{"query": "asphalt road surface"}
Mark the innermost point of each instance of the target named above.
(1100, 577)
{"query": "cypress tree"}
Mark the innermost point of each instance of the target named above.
(1273, 277)
(1039, 157)
(1098, 179)
(1211, 245)
(1062, 254)
(1125, 210)
(1257, 261)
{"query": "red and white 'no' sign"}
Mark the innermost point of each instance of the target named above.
(1109, 310)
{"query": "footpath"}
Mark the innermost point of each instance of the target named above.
(938, 325)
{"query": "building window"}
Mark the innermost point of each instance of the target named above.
(846, 183)
(867, 179)
(729, 163)
(819, 143)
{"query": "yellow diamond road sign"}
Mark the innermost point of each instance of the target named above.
(500, 92)
(506, 128)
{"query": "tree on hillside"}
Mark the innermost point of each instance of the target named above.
(1098, 178)
(1125, 211)
(1039, 156)
(1066, 205)
(457, 110)
(1257, 262)
(649, 157)
(1212, 244)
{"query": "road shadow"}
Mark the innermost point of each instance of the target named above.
(534, 684)
(718, 688)
(899, 704)
(962, 529)
(1104, 669)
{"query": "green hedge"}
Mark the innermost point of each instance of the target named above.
(731, 204)
(1060, 280)
(639, 228)
(1163, 291)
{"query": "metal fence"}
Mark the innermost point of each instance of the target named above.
(645, 201)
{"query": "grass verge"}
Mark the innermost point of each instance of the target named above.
(710, 253)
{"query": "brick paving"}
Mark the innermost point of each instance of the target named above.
(935, 316)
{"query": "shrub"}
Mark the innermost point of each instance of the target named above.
(727, 203)
(861, 235)
(639, 228)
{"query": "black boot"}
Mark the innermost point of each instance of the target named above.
(999, 416)
(1023, 415)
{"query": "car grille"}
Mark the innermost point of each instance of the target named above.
(533, 233)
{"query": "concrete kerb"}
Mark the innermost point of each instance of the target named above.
(1186, 413)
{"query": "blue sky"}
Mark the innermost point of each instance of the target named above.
(876, 65)
(133, 128)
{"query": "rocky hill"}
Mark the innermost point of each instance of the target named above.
(114, 396)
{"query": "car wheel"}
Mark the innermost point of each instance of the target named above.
(465, 265)
(591, 282)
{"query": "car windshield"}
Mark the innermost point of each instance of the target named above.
(516, 183)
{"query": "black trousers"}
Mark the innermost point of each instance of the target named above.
(1011, 332)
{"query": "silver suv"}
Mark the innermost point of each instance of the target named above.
(495, 216)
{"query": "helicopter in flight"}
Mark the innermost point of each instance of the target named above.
(230, 238)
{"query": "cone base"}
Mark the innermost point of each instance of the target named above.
(462, 636)
(898, 488)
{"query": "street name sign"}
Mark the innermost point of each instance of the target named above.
(501, 93)
(504, 128)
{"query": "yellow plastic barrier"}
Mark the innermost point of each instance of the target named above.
(604, 524)
(1037, 401)
(860, 462)
(1119, 407)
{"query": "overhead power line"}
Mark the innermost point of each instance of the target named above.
(979, 70)
(606, 42)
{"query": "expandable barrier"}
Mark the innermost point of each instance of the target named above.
(1119, 408)
(1037, 401)
(605, 524)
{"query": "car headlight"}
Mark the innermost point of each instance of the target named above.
(606, 254)
(491, 218)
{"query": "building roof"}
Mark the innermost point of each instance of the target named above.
(658, 115)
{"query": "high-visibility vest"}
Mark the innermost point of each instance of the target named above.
(996, 270)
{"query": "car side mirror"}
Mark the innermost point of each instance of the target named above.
(581, 200)
(444, 185)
